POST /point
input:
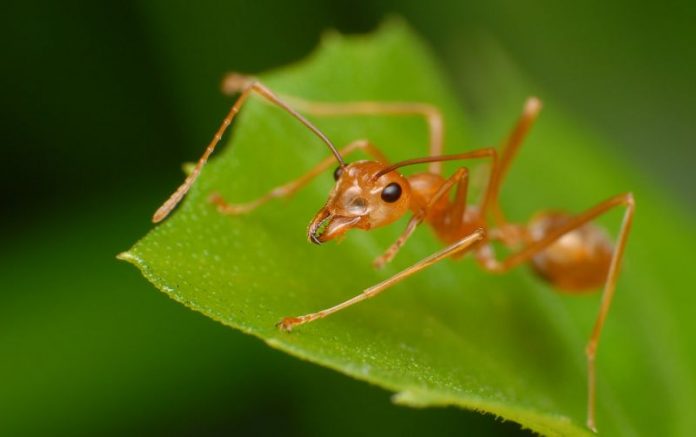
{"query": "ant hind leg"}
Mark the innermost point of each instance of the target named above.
(488, 262)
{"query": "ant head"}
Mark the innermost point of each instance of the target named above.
(362, 198)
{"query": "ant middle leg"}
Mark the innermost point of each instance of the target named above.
(290, 188)
(509, 150)
(488, 262)
(288, 323)
(454, 210)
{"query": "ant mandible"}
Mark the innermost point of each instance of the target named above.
(569, 251)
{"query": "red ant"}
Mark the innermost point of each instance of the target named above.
(569, 251)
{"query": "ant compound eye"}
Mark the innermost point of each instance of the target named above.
(391, 192)
(338, 172)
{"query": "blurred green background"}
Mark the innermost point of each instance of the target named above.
(103, 102)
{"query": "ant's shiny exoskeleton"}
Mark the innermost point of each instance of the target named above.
(569, 251)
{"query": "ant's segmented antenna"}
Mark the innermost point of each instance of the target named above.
(233, 78)
(232, 84)
(479, 153)
(487, 152)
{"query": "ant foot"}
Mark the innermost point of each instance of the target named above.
(379, 262)
(234, 83)
(226, 208)
(382, 261)
(591, 425)
(288, 323)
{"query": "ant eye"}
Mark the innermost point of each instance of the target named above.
(338, 172)
(391, 192)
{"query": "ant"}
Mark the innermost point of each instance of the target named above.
(568, 251)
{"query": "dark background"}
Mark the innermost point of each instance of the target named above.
(102, 102)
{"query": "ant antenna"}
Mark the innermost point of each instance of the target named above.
(235, 82)
(480, 153)
(487, 152)
(273, 98)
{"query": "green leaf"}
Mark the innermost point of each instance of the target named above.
(451, 335)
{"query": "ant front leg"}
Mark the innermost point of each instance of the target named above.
(245, 86)
(460, 177)
(288, 323)
(489, 263)
(292, 187)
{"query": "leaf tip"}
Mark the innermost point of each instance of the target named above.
(126, 256)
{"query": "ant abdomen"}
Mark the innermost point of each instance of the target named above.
(578, 261)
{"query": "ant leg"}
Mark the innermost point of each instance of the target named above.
(489, 263)
(510, 148)
(460, 177)
(429, 112)
(459, 205)
(465, 243)
(245, 86)
(293, 186)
